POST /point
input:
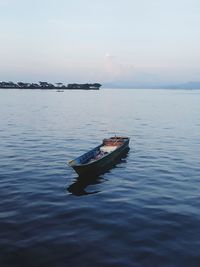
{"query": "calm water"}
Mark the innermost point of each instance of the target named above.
(144, 212)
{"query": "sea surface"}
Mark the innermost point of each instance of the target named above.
(143, 212)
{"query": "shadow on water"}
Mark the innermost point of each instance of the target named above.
(78, 187)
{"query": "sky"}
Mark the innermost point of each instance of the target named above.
(137, 41)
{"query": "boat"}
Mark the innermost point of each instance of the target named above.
(102, 157)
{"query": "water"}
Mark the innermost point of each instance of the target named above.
(143, 212)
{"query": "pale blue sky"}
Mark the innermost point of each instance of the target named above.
(100, 40)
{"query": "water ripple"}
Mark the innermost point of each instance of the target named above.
(143, 212)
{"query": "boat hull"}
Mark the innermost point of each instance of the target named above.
(100, 166)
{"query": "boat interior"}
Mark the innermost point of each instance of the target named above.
(108, 146)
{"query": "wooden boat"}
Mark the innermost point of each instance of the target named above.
(102, 157)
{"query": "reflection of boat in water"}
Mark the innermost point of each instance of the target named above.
(101, 157)
(78, 188)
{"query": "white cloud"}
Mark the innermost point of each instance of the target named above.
(112, 69)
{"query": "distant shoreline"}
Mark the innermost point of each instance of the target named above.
(47, 89)
(49, 86)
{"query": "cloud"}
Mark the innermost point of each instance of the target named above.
(115, 71)
(112, 68)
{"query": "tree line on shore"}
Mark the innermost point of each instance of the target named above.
(46, 85)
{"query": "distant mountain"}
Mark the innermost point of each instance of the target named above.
(188, 85)
(133, 85)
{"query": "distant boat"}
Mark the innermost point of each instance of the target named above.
(102, 157)
(60, 90)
